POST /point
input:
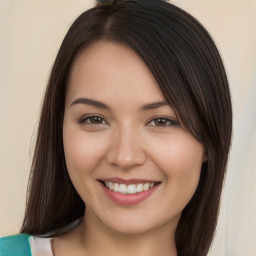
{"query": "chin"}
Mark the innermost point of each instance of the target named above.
(140, 224)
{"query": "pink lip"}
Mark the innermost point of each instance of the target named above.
(127, 199)
(128, 181)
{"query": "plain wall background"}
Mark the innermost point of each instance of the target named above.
(30, 35)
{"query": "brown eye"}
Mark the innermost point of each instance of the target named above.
(93, 120)
(162, 122)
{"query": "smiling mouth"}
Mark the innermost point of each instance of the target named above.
(129, 188)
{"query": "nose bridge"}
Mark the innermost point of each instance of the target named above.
(126, 148)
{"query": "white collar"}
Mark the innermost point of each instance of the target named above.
(40, 246)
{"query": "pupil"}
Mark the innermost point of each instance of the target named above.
(161, 121)
(96, 120)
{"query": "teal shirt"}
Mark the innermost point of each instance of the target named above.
(16, 245)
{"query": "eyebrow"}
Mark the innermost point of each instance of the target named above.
(102, 105)
(154, 105)
(90, 102)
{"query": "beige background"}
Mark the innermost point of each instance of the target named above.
(30, 34)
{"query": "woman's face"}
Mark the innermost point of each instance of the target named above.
(118, 129)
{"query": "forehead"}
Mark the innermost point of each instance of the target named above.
(107, 71)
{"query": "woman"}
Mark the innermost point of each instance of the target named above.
(133, 139)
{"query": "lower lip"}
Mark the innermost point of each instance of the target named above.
(128, 199)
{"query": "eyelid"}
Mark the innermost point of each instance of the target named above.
(82, 120)
(173, 121)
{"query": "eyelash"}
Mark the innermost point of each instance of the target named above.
(85, 118)
(166, 120)
(169, 121)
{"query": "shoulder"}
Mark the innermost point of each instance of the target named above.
(15, 245)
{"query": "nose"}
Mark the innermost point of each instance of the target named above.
(126, 149)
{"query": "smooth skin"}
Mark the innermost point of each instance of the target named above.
(125, 135)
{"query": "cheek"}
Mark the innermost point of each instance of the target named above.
(180, 161)
(82, 154)
(177, 153)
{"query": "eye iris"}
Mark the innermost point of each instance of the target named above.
(161, 121)
(96, 120)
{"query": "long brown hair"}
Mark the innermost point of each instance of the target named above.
(188, 68)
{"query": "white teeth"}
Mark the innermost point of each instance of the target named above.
(140, 187)
(146, 186)
(123, 189)
(116, 187)
(111, 185)
(129, 189)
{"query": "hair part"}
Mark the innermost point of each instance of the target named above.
(188, 68)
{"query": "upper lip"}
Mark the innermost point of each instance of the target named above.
(128, 181)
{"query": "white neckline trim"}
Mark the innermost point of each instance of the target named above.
(40, 246)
